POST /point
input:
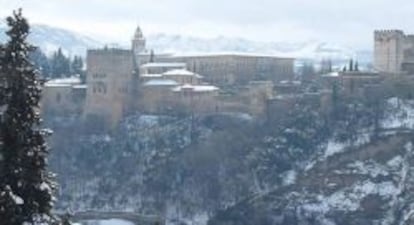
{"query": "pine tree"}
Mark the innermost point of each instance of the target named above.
(60, 64)
(152, 57)
(25, 184)
(3, 94)
(356, 66)
(76, 65)
(323, 68)
(66, 219)
(351, 65)
(330, 70)
(41, 62)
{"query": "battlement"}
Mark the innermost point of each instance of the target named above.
(392, 31)
(109, 51)
(381, 35)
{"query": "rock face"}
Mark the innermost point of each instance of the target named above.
(370, 184)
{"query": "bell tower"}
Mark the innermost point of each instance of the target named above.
(138, 45)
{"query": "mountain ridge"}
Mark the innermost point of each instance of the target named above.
(49, 39)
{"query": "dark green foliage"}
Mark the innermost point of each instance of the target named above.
(41, 62)
(326, 66)
(60, 65)
(77, 67)
(3, 93)
(66, 219)
(308, 71)
(152, 57)
(8, 207)
(25, 184)
(292, 139)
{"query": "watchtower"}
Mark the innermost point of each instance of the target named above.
(389, 50)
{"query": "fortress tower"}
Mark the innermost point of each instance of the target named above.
(389, 51)
(109, 78)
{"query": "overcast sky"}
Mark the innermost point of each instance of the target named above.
(349, 22)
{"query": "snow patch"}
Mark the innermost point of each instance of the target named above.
(400, 114)
(349, 199)
(333, 148)
(289, 177)
(107, 222)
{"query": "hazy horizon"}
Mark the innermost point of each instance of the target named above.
(265, 21)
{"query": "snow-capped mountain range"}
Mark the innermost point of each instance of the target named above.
(49, 39)
(310, 49)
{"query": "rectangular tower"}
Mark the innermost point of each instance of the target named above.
(389, 51)
(109, 76)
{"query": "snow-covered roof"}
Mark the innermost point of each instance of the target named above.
(161, 82)
(151, 75)
(196, 88)
(331, 74)
(181, 72)
(290, 82)
(229, 53)
(63, 82)
(80, 86)
(163, 65)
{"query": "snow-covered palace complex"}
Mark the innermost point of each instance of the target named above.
(124, 81)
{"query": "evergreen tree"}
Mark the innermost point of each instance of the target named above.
(3, 93)
(356, 66)
(77, 65)
(66, 219)
(330, 70)
(308, 71)
(60, 64)
(326, 66)
(25, 184)
(152, 57)
(351, 65)
(323, 68)
(77, 68)
(41, 62)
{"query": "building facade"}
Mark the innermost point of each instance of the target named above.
(65, 96)
(237, 69)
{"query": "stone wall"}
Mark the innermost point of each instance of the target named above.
(389, 50)
(109, 78)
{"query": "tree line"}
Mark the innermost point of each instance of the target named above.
(58, 65)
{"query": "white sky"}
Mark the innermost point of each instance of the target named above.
(349, 22)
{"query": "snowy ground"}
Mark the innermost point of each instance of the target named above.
(400, 114)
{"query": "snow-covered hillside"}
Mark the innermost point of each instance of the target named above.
(309, 49)
(50, 38)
